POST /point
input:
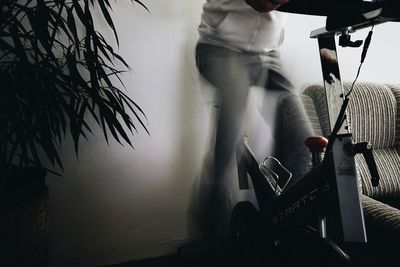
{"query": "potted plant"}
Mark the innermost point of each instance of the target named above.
(57, 72)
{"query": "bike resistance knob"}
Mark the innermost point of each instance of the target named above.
(316, 144)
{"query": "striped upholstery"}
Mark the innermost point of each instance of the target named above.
(317, 94)
(383, 215)
(396, 93)
(383, 228)
(373, 112)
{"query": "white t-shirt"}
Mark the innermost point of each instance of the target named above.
(236, 25)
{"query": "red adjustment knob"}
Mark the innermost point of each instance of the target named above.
(316, 144)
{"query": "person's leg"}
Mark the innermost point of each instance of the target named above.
(228, 71)
(273, 75)
(292, 123)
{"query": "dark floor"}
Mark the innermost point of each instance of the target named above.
(193, 255)
(167, 261)
(301, 254)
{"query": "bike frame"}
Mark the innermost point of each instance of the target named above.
(328, 196)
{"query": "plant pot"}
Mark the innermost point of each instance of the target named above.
(24, 205)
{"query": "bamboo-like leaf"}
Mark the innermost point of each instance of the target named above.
(51, 151)
(34, 151)
(133, 108)
(103, 76)
(39, 20)
(103, 126)
(79, 12)
(80, 123)
(19, 47)
(140, 3)
(111, 50)
(72, 27)
(108, 18)
(5, 46)
(60, 22)
(113, 125)
(103, 46)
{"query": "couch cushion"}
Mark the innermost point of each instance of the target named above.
(373, 111)
(382, 223)
(396, 93)
(317, 94)
(388, 162)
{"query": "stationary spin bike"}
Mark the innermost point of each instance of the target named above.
(316, 220)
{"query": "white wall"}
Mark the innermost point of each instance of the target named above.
(119, 204)
(300, 53)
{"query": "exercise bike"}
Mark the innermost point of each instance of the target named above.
(316, 220)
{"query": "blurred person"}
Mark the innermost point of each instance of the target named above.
(237, 49)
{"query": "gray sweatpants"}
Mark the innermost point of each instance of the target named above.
(232, 73)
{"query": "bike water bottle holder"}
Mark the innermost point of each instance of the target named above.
(277, 176)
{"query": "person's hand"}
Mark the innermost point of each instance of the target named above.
(328, 56)
(330, 64)
(265, 5)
